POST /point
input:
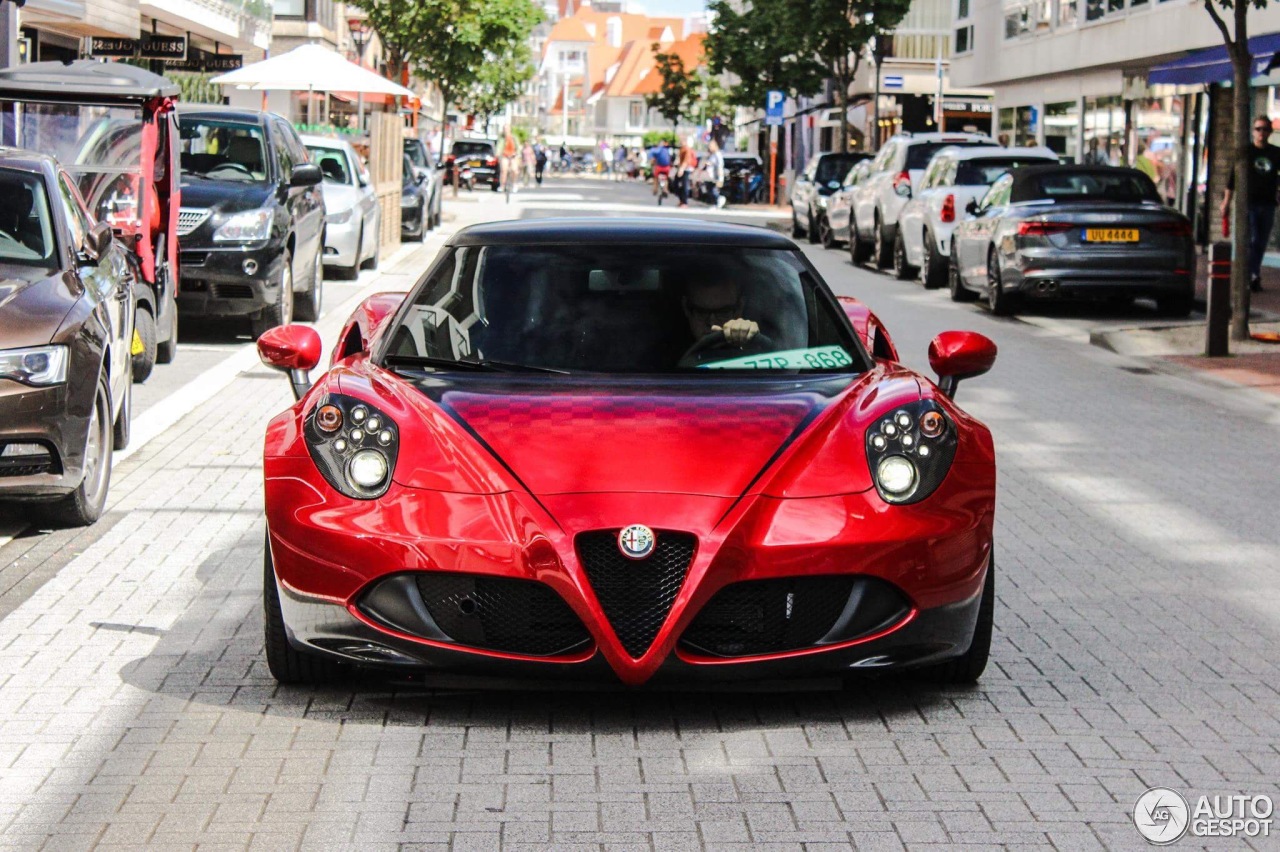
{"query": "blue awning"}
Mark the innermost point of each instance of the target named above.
(1212, 65)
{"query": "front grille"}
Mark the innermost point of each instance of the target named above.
(502, 614)
(192, 258)
(190, 218)
(27, 463)
(636, 595)
(12, 467)
(232, 291)
(791, 613)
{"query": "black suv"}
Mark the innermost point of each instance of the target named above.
(481, 155)
(251, 227)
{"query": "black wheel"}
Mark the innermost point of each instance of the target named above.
(422, 223)
(825, 235)
(796, 231)
(901, 269)
(144, 325)
(1175, 307)
(811, 233)
(959, 292)
(881, 251)
(933, 269)
(281, 311)
(286, 663)
(859, 249)
(308, 307)
(167, 349)
(1000, 302)
(970, 665)
(84, 505)
(438, 216)
(123, 426)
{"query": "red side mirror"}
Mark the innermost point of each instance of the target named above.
(294, 349)
(956, 355)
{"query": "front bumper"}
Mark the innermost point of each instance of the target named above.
(342, 242)
(411, 217)
(215, 283)
(41, 416)
(933, 555)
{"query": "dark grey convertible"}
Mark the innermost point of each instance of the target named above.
(1053, 232)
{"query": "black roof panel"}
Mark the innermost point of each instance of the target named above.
(83, 79)
(638, 230)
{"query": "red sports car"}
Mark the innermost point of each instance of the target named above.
(659, 449)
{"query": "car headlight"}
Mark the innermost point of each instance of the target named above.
(39, 365)
(342, 217)
(353, 445)
(910, 450)
(251, 226)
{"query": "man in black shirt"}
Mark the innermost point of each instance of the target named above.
(1264, 181)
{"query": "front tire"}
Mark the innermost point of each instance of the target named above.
(933, 271)
(796, 231)
(880, 248)
(901, 269)
(308, 307)
(959, 292)
(859, 249)
(812, 232)
(123, 427)
(83, 506)
(287, 664)
(281, 312)
(970, 665)
(145, 361)
(825, 235)
(1002, 304)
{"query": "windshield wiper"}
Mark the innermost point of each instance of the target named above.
(484, 364)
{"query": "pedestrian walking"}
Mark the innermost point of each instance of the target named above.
(1095, 156)
(685, 165)
(540, 161)
(1145, 164)
(715, 173)
(621, 166)
(1264, 180)
(606, 159)
(529, 162)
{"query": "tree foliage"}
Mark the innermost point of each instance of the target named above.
(499, 82)
(675, 97)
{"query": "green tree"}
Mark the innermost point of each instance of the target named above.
(766, 46)
(675, 97)
(499, 82)
(1236, 38)
(713, 102)
(840, 31)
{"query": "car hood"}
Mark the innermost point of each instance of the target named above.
(339, 197)
(225, 196)
(33, 304)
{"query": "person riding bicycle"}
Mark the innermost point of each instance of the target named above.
(510, 166)
(660, 156)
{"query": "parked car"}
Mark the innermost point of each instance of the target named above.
(744, 178)
(452, 495)
(895, 173)
(833, 228)
(414, 205)
(352, 235)
(252, 220)
(67, 308)
(481, 155)
(955, 177)
(1056, 232)
(813, 187)
(433, 184)
(112, 127)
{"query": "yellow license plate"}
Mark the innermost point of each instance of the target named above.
(1111, 235)
(474, 163)
(137, 348)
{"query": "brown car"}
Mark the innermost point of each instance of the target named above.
(66, 326)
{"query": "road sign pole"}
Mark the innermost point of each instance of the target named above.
(773, 162)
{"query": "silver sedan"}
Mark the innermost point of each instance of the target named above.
(351, 233)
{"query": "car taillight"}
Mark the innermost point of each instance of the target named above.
(903, 179)
(449, 159)
(1043, 229)
(949, 209)
(1177, 229)
(491, 161)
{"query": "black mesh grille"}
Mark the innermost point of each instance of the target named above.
(791, 613)
(636, 595)
(502, 614)
(232, 291)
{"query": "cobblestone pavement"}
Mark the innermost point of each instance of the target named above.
(1137, 627)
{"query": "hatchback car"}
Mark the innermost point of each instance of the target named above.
(414, 205)
(67, 308)
(955, 177)
(833, 227)
(895, 174)
(630, 450)
(1073, 232)
(813, 188)
(251, 225)
(352, 216)
(432, 182)
(480, 155)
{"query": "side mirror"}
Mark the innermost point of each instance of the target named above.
(96, 242)
(957, 355)
(419, 177)
(972, 207)
(306, 174)
(293, 349)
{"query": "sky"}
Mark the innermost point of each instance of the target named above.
(674, 7)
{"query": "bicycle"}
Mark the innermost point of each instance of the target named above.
(663, 187)
(508, 178)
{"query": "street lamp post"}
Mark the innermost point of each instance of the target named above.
(360, 32)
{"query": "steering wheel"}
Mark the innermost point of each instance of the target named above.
(759, 342)
(231, 164)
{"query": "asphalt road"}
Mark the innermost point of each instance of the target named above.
(1138, 620)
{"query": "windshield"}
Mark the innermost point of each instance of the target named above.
(624, 309)
(919, 155)
(834, 168)
(332, 163)
(99, 146)
(26, 232)
(222, 150)
(1120, 185)
(984, 172)
(466, 149)
(417, 154)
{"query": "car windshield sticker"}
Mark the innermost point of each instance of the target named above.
(817, 358)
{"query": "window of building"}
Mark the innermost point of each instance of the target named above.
(1007, 119)
(290, 8)
(964, 39)
(1062, 129)
(635, 114)
(1104, 131)
(1066, 13)
(962, 9)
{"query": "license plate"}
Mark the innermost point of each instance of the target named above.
(474, 163)
(1110, 235)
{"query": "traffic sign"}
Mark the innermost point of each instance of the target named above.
(773, 104)
(893, 81)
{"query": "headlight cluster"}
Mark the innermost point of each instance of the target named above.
(251, 226)
(39, 365)
(910, 450)
(342, 217)
(353, 444)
